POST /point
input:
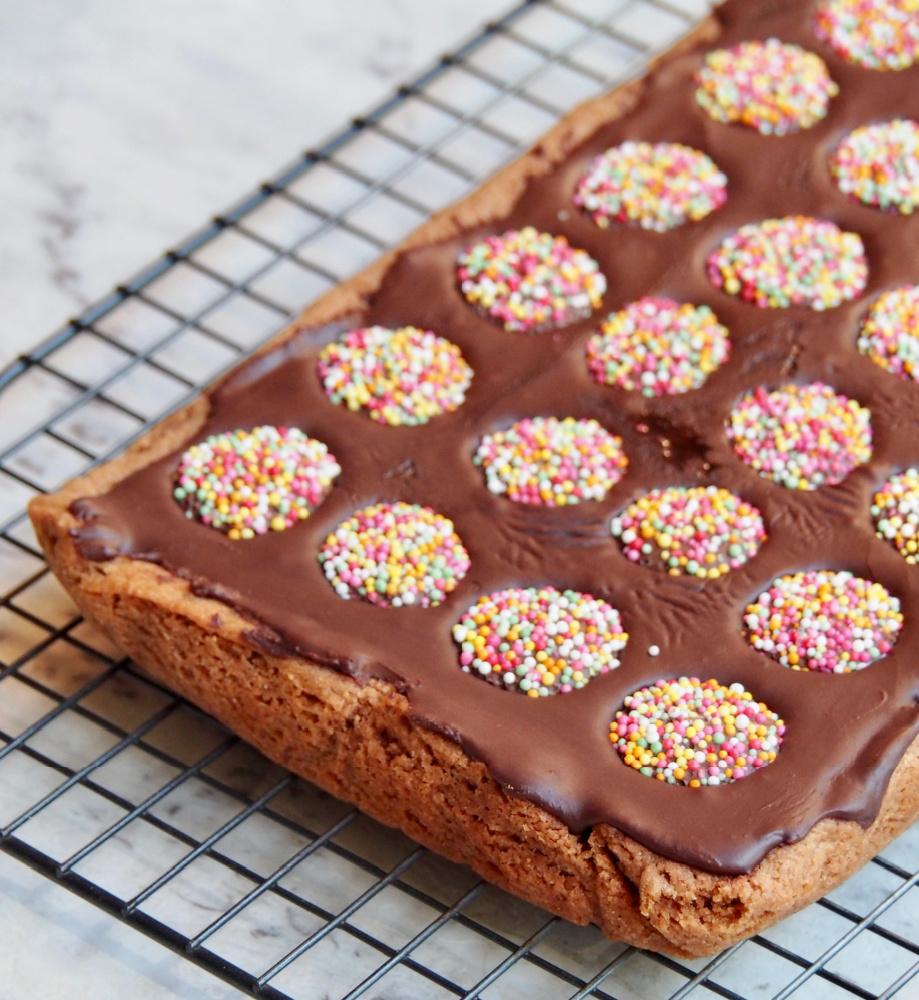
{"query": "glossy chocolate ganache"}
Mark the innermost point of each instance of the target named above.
(845, 732)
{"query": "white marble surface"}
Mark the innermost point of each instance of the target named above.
(124, 127)
(58, 947)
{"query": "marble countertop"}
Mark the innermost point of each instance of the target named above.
(126, 126)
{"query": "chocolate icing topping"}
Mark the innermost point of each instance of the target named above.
(845, 733)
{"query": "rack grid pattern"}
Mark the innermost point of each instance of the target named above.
(133, 799)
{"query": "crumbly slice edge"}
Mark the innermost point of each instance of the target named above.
(359, 742)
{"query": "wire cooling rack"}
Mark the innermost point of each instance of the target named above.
(130, 797)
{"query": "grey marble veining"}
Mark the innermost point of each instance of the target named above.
(123, 127)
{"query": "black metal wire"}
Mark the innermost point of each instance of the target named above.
(575, 963)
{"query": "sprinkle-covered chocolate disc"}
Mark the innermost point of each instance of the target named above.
(529, 281)
(702, 531)
(692, 732)
(896, 513)
(403, 376)
(876, 34)
(795, 261)
(825, 620)
(652, 185)
(769, 86)
(658, 346)
(889, 334)
(552, 462)
(879, 165)
(539, 641)
(801, 436)
(247, 483)
(395, 555)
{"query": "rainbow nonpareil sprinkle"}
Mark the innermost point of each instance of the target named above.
(889, 334)
(824, 620)
(801, 436)
(249, 482)
(398, 377)
(551, 462)
(875, 34)
(658, 347)
(701, 531)
(696, 733)
(770, 86)
(795, 261)
(539, 642)
(879, 165)
(655, 186)
(530, 281)
(395, 555)
(895, 511)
